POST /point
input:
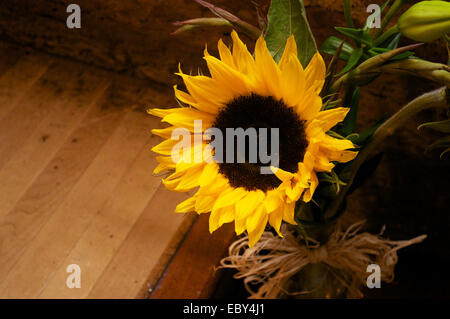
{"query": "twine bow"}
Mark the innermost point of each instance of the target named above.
(273, 260)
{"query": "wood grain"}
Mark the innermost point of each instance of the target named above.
(77, 183)
(124, 36)
(192, 272)
(129, 274)
(67, 111)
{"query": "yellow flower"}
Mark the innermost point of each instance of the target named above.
(245, 91)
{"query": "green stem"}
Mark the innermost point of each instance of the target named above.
(387, 18)
(436, 98)
(386, 35)
(348, 13)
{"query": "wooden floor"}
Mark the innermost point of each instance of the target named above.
(76, 183)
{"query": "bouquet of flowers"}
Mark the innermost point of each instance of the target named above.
(268, 141)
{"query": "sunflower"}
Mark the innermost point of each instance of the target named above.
(243, 91)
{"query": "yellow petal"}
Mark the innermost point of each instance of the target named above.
(165, 163)
(227, 78)
(307, 196)
(292, 81)
(171, 184)
(214, 220)
(332, 117)
(184, 117)
(315, 73)
(226, 216)
(204, 204)
(335, 144)
(160, 112)
(275, 219)
(340, 156)
(184, 97)
(186, 206)
(294, 193)
(225, 54)
(230, 197)
(243, 59)
(249, 203)
(205, 91)
(272, 201)
(289, 49)
(189, 180)
(255, 220)
(255, 235)
(288, 213)
(164, 132)
(209, 174)
(165, 147)
(282, 174)
(310, 106)
(268, 70)
(239, 226)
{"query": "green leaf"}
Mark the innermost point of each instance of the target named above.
(393, 44)
(352, 61)
(331, 44)
(348, 13)
(349, 123)
(288, 17)
(356, 34)
(331, 104)
(384, 5)
(441, 126)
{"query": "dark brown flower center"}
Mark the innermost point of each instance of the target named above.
(256, 111)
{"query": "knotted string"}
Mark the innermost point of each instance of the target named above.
(273, 260)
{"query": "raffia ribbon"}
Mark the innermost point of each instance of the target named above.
(273, 260)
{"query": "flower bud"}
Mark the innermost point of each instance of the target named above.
(425, 21)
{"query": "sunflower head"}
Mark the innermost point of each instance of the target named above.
(278, 104)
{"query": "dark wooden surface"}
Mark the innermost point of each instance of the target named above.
(192, 271)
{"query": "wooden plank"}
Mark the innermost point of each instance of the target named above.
(154, 234)
(73, 216)
(111, 224)
(34, 107)
(19, 77)
(191, 274)
(41, 200)
(68, 109)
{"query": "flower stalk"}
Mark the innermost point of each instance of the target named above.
(436, 72)
(366, 68)
(200, 22)
(252, 31)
